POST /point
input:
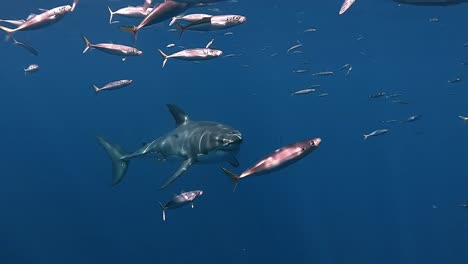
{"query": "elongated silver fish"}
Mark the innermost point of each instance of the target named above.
(213, 23)
(113, 85)
(279, 159)
(197, 54)
(464, 118)
(346, 5)
(376, 133)
(129, 11)
(113, 49)
(180, 200)
(26, 47)
(298, 45)
(189, 18)
(324, 73)
(303, 91)
(46, 18)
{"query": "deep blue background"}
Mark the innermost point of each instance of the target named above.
(351, 201)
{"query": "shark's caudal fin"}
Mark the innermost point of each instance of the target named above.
(182, 169)
(234, 178)
(87, 43)
(180, 28)
(165, 57)
(119, 165)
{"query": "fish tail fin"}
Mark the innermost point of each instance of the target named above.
(87, 43)
(163, 211)
(173, 20)
(119, 163)
(165, 57)
(111, 14)
(234, 177)
(131, 29)
(180, 28)
(75, 2)
(96, 89)
(365, 136)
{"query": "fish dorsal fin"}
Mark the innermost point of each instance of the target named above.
(179, 115)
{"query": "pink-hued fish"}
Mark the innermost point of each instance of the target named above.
(130, 11)
(47, 17)
(165, 10)
(193, 54)
(113, 49)
(277, 160)
(113, 85)
(346, 5)
(213, 23)
(189, 18)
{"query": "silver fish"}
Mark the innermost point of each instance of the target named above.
(129, 11)
(189, 18)
(113, 49)
(412, 119)
(300, 71)
(113, 85)
(324, 73)
(213, 23)
(458, 79)
(390, 121)
(26, 47)
(197, 54)
(31, 68)
(46, 18)
(298, 45)
(377, 95)
(180, 201)
(304, 91)
(346, 5)
(376, 133)
(464, 118)
(322, 95)
(279, 159)
(310, 30)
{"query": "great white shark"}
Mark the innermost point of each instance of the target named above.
(192, 141)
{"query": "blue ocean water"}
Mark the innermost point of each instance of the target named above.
(389, 199)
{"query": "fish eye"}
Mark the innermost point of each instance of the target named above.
(303, 149)
(237, 18)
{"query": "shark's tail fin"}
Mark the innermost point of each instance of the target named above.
(180, 28)
(163, 211)
(234, 177)
(119, 164)
(165, 57)
(87, 43)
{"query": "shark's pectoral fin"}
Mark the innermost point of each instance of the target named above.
(234, 162)
(183, 168)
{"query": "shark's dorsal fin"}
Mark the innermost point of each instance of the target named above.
(179, 115)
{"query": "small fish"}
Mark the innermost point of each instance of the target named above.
(434, 19)
(464, 118)
(170, 45)
(277, 160)
(394, 95)
(197, 54)
(310, 30)
(300, 71)
(458, 79)
(303, 91)
(26, 47)
(31, 68)
(180, 201)
(113, 85)
(129, 11)
(360, 38)
(463, 205)
(212, 23)
(400, 102)
(376, 133)
(274, 54)
(349, 71)
(377, 95)
(297, 52)
(412, 119)
(346, 5)
(232, 55)
(228, 33)
(113, 49)
(324, 73)
(390, 121)
(346, 66)
(298, 45)
(322, 95)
